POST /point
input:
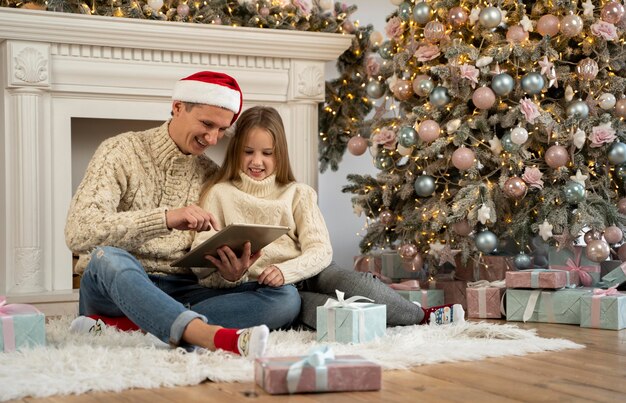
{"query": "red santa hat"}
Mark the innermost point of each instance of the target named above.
(210, 88)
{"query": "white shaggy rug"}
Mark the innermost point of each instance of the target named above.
(115, 361)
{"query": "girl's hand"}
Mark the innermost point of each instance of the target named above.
(232, 267)
(272, 276)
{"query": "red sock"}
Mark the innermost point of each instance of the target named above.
(226, 339)
(428, 311)
(121, 322)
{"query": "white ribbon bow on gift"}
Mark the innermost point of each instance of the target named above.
(344, 303)
(317, 359)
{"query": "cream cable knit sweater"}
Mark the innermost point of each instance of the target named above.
(132, 179)
(300, 254)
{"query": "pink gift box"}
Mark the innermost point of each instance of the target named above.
(339, 374)
(484, 302)
(540, 278)
(453, 291)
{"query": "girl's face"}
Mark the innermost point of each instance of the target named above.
(258, 160)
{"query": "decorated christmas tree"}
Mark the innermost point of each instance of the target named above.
(499, 125)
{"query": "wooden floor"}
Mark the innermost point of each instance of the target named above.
(596, 373)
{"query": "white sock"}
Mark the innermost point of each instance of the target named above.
(253, 341)
(85, 324)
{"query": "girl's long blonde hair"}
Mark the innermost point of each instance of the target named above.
(263, 117)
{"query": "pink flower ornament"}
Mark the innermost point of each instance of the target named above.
(601, 134)
(394, 28)
(532, 176)
(372, 66)
(529, 110)
(605, 30)
(470, 73)
(386, 137)
(427, 52)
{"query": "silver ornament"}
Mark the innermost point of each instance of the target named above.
(424, 185)
(617, 153)
(422, 13)
(383, 161)
(404, 11)
(573, 192)
(439, 96)
(407, 136)
(523, 261)
(490, 17)
(533, 83)
(486, 241)
(374, 89)
(502, 84)
(386, 50)
(507, 143)
(578, 109)
(425, 87)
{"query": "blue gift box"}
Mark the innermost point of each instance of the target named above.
(21, 326)
(588, 271)
(554, 306)
(605, 309)
(350, 321)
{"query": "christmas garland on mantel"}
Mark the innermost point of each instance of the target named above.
(346, 103)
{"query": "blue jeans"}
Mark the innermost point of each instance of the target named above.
(115, 284)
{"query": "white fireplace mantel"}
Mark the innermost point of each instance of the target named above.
(56, 67)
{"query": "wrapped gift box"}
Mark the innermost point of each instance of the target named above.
(396, 269)
(558, 306)
(484, 299)
(540, 278)
(615, 278)
(280, 375)
(608, 266)
(368, 264)
(453, 291)
(426, 298)
(487, 267)
(348, 321)
(21, 326)
(604, 309)
(587, 271)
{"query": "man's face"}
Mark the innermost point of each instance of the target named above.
(194, 130)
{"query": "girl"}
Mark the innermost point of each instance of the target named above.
(256, 185)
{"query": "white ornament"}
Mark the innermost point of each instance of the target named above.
(588, 8)
(495, 145)
(357, 209)
(484, 214)
(374, 150)
(474, 15)
(327, 5)
(607, 101)
(436, 248)
(527, 24)
(484, 61)
(155, 4)
(569, 93)
(545, 230)
(579, 138)
(519, 135)
(396, 2)
(402, 150)
(579, 177)
(453, 125)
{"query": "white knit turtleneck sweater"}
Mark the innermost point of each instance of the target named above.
(132, 179)
(300, 254)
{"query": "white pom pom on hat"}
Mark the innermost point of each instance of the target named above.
(210, 88)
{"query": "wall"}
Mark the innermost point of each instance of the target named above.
(343, 224)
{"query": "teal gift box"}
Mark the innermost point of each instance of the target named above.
(348, 321)
(21, 326)
(604, 309)
(395, 268)
(426, 298)
(554, 306)
(615, 278)
(575, 262)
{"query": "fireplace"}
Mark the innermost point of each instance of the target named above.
(69, 79)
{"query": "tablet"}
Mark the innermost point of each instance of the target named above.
(234, 236)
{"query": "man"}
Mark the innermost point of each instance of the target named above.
(134, 213)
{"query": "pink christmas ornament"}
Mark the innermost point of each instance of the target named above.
(515, 188)
(613, 234)
(587, 69)
(182, 10)
(612, 12)
(556, 156)
(548, 25)
(516, 34)
(386, 217)
(571, 25)
(620, 108)
(462, 228)
(484, 98)
(434, 31)
(592, 235)
(407, 251)
(463, 158)
(457, 16)
(376, 38)
(357, 145)
(418, 262)
(428, 131)
(402, 90)
(597, 250)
